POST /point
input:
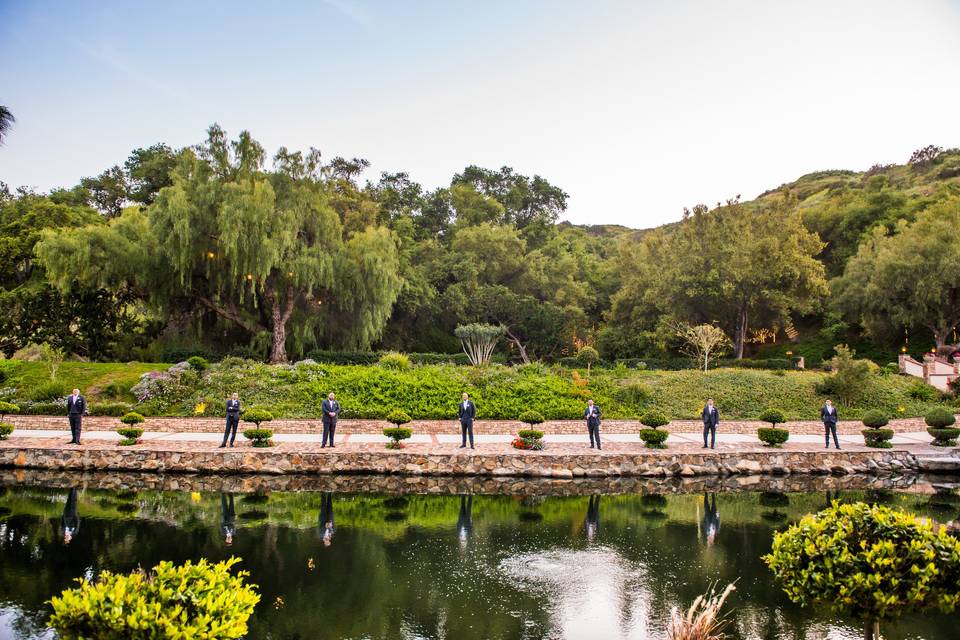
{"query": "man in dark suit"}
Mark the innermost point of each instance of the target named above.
(331, 411)
(828, 414)
(70, 520)
(326, 525)
(233, 420)
(465, 520)
(711, 518)
(592, 523)
(228, 517)
(711, 418)
(592, 415)
(466, 412)
(76, 409)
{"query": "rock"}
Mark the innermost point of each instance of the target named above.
(748, 466)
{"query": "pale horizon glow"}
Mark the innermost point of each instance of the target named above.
(636, 109)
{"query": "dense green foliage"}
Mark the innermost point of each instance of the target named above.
(773, 416)
(198, 363)
(256, 415)
(259, 437)
(394, 360)
(5, 430)
(396, 434)
(875, 419)
(940, 423)
(7, 408)
(868, 561)
(772, 436)
(194, 600)
(939, 418)
(654, 438)
(877, 438)
(131, 435)
(530, 434)
(131, 418)
(531, 417)
(654, 419)
(398, 417)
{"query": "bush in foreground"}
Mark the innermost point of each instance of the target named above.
(396, 433)
(5, 430)
(130, 433)
(772, 436)
(940, 423)
(874, 436)
(259, 437)
(531, 417)
(869, 562)
(201, 600)
(654, 438)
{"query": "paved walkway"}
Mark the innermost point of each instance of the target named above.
(911, 438)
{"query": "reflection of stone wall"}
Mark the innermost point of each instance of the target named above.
(101, 423)
(184, 459)
(395, 484)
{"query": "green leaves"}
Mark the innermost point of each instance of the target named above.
(867, 561)
(201, 601)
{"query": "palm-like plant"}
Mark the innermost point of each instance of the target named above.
(6, 121)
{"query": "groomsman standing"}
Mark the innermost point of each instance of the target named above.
(76, 408)
(466, 411)
(233, 420)
(331, 411)
(828, 414)
(592, 415)
(711, 418)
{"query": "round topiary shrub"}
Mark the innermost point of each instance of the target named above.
(939, 425)
(394, 360)
(654, 438)
(204, 598)
(131, 418)
(396, 434)
(531, 417)
(259, 437)
(878, 438)
(875, 418)
(131, 435)
(773, 416)
(5, 430)
(532, 434)
(772, 436)
(398, 417)
(256, 415)
(867, 561)
(198, 363)
(654, 419)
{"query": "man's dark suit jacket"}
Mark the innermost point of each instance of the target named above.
(233, 408)
(468, 413)
(710, 418)
(326, 407)
(77, 408)
(827, 417)
(594, 420)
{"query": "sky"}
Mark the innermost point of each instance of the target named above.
(636, 109)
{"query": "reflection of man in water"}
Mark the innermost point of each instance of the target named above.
(465, 520)
(711, 518)
(70, 521)
(228, 515)
(326, 525)
(593, 518)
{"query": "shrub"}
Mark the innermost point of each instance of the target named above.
(877, 438)
(396, 434)
(654, 438)
(48, 391)
(131, 418)
(939, 418)
(398, 417)
(45, 408)
(112, 409)
(259, 437)
(256, 415)
(773, 437)
(773, 416)
(7, 408)
(527, 444)
(922, 391)
(587, 357)
(201, 600)
(531, 417)
(198, 363)
(850, 376)
(7, 369)
(654, 419)
(702, 621)
(875, 419)
(5, 430)
(131, 435)
(394, 360)
(634, 393)
(944, 437)
(867, 561)
(530, 434)
(889, 369)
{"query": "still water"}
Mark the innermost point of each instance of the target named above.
(402, 558)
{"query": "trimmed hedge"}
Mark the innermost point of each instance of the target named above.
(112, 409)
(772, 436)
(877, 438)
(654, 419)
(875, 419)
(530, 434)
(654, 438)
(398, 417)
(396, 434)
(939, 418)
(5, 430)
(130, 434)
(256, 415)
(131, 418)
(773, 416)
(531, 417)
(259, 437)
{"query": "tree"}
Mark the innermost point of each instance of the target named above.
(148, 171)
(910, 278)
(869, 562)
(523, 201)
(589, 356)
(108, 192)
(262, 250)
(702, 341)
(478, 341)
(6, 122)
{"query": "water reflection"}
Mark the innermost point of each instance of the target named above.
(538, 566)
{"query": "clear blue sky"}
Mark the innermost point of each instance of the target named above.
(634, 108)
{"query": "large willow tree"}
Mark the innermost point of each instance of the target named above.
(263, 250)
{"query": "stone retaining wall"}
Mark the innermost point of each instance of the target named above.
(499, 427)
(185, 459)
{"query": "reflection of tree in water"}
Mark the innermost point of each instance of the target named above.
(774, 499)
(653, 505)
(879, 496)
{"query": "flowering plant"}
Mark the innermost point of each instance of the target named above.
(532, 444)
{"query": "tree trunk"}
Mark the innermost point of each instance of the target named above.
(871, 630)
(522, 349)
(279, 317)
(740, 335)
(940, 335)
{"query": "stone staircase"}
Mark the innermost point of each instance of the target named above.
(935, 370)
(945, 463)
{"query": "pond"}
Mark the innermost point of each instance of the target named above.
(354, 557)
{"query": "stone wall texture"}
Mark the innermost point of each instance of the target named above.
(183, 458)
(499, 427)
